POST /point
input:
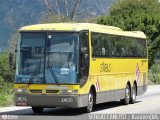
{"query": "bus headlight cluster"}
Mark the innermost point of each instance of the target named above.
(18, 90)
(69, 91)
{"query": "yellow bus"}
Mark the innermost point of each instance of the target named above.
(79, 65)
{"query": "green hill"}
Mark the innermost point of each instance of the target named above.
(17, 13)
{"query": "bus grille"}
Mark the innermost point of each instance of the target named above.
(36, 91)
(45, 91)
(52, 91)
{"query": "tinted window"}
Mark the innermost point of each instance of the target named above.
(105, 45)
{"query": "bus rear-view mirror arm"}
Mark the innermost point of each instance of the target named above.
(84, 50)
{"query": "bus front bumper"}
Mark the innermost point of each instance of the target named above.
(45, 100)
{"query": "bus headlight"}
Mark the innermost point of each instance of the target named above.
(18, 90)
(69, 91)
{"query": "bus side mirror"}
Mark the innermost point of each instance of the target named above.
(84, 50)
(15, 50)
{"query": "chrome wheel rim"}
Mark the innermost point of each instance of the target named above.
(127, 94)
(134, 94)
(90, 101)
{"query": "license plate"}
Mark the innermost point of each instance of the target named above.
(21, 101)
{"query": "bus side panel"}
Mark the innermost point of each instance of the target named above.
(110, 77)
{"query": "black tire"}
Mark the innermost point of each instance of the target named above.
(127, 97)
(133, 95)
(37, 109)
(90, 104)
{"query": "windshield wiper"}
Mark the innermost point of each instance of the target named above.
(35, 72)
(51, 71)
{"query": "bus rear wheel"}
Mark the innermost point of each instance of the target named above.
(89, 106)
(127, 97)
(37, 109)
(133, 95)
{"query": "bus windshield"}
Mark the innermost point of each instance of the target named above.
(49, 58)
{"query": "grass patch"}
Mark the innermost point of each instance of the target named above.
(6, 93)
(6, 100)
(3, 100)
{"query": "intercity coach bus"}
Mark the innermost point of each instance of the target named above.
(79, 65)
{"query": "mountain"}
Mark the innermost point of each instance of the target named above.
(17, 13)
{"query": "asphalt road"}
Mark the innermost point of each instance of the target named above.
(149, 103)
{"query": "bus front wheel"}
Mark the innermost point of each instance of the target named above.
(89, 106)
(37, 109)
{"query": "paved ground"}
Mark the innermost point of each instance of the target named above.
(149, 103)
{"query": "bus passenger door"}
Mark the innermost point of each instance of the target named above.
(84, 57)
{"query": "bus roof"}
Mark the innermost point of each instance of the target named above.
(83, 26)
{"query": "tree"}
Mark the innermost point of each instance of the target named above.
(6, 72)
(137, 15)
(74, 9)
(13, 42)
(54, 19)
(70, 17)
